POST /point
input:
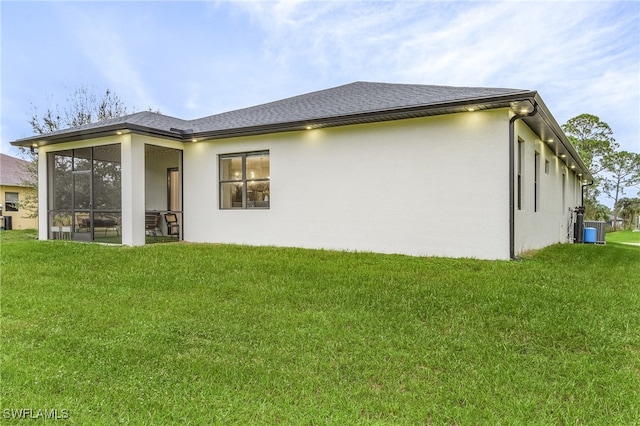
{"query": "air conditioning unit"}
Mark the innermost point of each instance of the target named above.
(601, 229)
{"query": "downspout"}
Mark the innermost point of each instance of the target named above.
(582, 192)
(578, 230)
(512, 211)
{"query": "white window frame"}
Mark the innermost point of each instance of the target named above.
(11, 205)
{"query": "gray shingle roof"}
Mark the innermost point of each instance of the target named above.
(142, 119)
(330, 105)
(354, 103)
(341, 101)
(12, 171)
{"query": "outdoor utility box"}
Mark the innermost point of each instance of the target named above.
(601, 229)
(6, 223)
(590, 235)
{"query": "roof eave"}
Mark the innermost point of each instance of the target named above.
(400, 113)
(546, 125)
(17, 185)
(554, 137)
(97, 132)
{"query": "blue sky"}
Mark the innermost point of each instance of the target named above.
(192, 59)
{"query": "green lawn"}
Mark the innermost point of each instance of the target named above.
(623, 237)
(222, 334)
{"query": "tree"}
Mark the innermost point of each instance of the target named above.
(82, 106)
(629, 209)
(598, 211)
(593, 139)
(623, 170)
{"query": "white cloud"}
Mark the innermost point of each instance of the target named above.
(101, 41)
(581, 56)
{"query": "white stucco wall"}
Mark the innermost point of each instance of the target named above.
(156, 165)
(428, 186)
(551, 222)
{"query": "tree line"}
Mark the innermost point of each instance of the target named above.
(614, 171)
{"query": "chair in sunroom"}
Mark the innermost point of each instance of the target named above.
(152, 224)
(173, 227)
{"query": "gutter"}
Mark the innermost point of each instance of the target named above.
(364, 117)
(92, 133)
(559, 135)
(512, 211)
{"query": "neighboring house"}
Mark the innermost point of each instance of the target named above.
(390, 168)
(612, 222)
(13, 192)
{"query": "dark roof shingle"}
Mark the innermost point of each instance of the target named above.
(354, 98)
(359, 98)
(145, 119)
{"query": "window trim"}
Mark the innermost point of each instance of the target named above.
(536, 181)
(11, 205)
(244, 180)
(520, 172)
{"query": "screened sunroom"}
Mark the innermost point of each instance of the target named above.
(85, 198)
(85, 194)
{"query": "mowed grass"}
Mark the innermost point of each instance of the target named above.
(623, 237)
(222, 334)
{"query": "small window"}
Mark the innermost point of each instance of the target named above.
(245, 180)
(536, 182)
(11, 201)
(546, 167)
(520, 171)
(564, 193)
